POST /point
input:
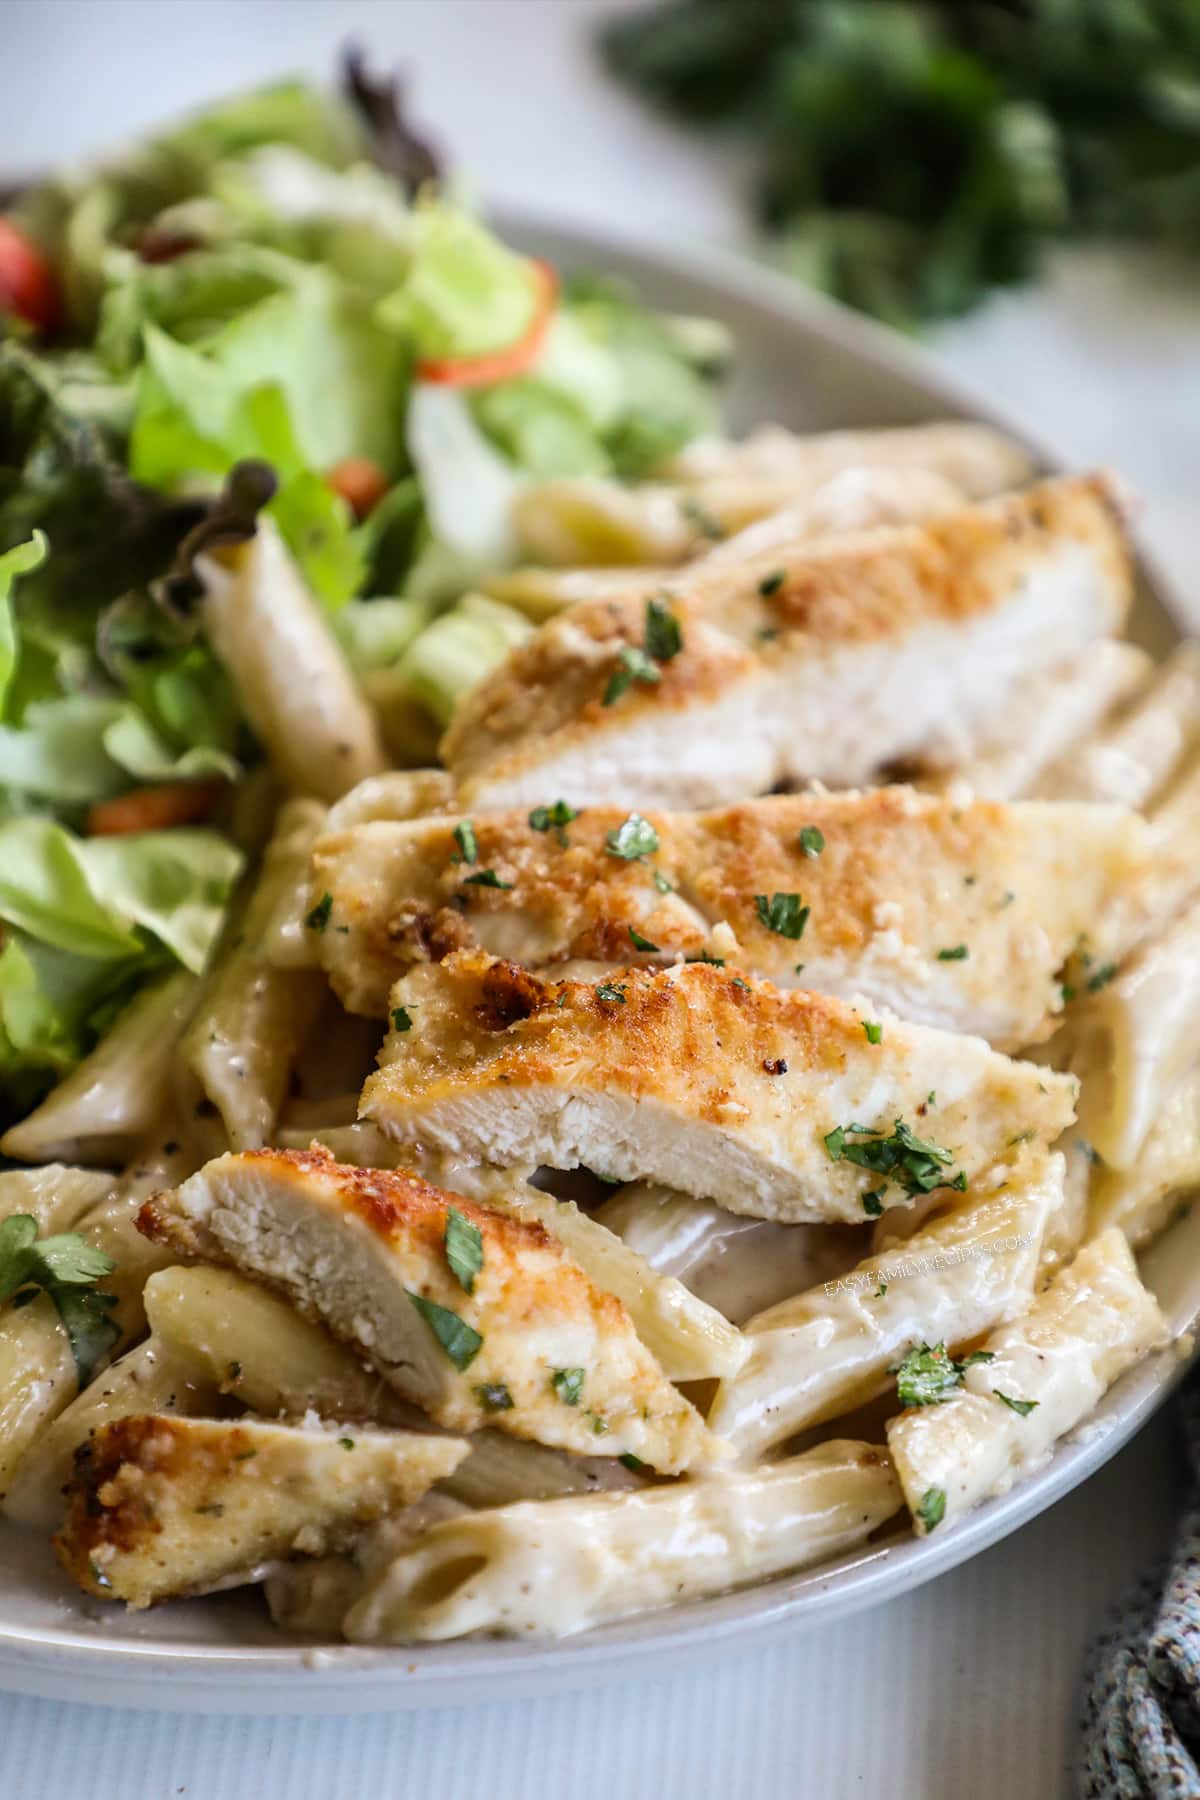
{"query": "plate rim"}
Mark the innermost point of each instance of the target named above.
(74, 1662)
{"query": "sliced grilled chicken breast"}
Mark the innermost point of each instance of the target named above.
(477, 1316)
(900, 642)
(730, 1089)
(160, 1505)
(894, 881)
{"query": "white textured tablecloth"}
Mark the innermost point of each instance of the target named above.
(966, 1687)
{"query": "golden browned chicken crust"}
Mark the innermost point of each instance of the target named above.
(159, 1505)
(721, 1086)
(892, 879)
(756, 637)
(368, 1252)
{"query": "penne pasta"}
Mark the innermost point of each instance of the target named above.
(741, 1266)
(1045, 1372)
(54, 1196)
(39, 1376)
(1135, 1039)
(976, 459)
(558, 1567)
(1128, 762)
(830, 1350)
(248, 1343)
(1142, 1199)
(114, 1097)
(251, 1017)
(587, 520)
(689, 1340)
(288, 669)
(152, 1378)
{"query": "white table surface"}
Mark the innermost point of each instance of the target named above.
(968, 1686)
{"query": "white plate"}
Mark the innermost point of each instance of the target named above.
(807, 364)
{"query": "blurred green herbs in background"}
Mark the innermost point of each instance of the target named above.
(913, 156)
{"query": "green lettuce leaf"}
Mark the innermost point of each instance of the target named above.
(197, 417)
(464, 293)
(174, 884)
(46, 892)
(86, 896)
(13, 563)
(83, 748)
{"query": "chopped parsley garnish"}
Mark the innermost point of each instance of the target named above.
(663, 639)
(554, 818)
(632, 839)
(493, 1396)
(1023, 1407)
(664, 634)
(1068, 993)
(632, 665)
(704, 956)
(599, 1425)
(459, 1340)
(318, 918)
(873, 1202)
(771, 584)
(702, 519)
(881, 1290)
(661, 883)
(346, 1443)
(957, 953)
(568, 1385)
(1101, 978)
(468, 848)
(485, 878)
(641, 943)
(464, 1249)
(799, 969)
(401, 1019)
(932, 1509)
(929, 1374)
(66, 1268)
(611, 991)
(782, 913)
(916, 1164)
(633, 1462)
(744, 985)
(874, 1031)
(812, 840)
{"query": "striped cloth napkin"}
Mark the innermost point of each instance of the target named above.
(1141, 1695)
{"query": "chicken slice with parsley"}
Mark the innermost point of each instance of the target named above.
(160, 1506)
(477, 1316)
(869, 647)
(788, 1106)
(954, 914)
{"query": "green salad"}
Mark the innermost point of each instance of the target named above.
(276, 311)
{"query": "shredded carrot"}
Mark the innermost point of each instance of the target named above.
(360, 482)
(514, 359)
(154, 808)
